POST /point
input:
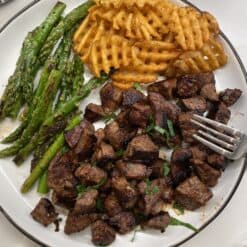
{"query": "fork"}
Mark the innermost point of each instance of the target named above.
(222, 139)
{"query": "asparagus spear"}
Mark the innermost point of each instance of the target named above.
(61, 113)
(43, 186)
(43, 164)
(64, 26)
(58, 60)
(37, 116)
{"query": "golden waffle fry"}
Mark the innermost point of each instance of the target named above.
(111, 51)
(212, 23)
(210, 57)
(130, 76)
(191, 28)
(123, 85)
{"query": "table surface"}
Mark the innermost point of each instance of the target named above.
(230, 227)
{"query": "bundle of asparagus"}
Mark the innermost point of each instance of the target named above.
(53, 105)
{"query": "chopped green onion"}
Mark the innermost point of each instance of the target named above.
(170, 128)
(134, 234)
(166, 169)
(138, 87)
(119, 153)
(151, 190)
(110, 117)
(99, 204)
(176, 222)
(178, 207)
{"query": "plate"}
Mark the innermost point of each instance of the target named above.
(17, 207)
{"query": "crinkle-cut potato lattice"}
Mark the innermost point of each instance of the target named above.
(210, 57)
(143, 39)
(191, 28)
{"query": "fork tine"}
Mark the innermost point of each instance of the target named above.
(217, 141)
(215, 132)
(212, 146)
(221, 126)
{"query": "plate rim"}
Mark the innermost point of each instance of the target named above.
(220, 210)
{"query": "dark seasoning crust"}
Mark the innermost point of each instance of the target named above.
(122, 190)
(236, 185)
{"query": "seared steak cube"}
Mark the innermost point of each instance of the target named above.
(166, 87)
(141, 148)
(87, 202)
(73, 136)
(181, 155)
(102, 233)
(61, 178)
(100, 136)
(90, 175)
(94, 112)
(132, 96)
(159, 222)
(111, 97)
(186, 87)
(202, 78)
(196, 104)
(118, 137)
(222, 114)
(161, 106)
(217, 161)
(133, 170)
(206, 173)
(157, 168)
(78, 222)
(123, 118)
(179, 172)
(104, 153)
(63, 202)
(126, 195)
(208, 91)
(198, 153)
(123, 222)
(44, 212)
(111, 205)
(140, 114)
(230, 96)
(192, 193)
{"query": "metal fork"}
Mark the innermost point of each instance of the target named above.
(222, 139)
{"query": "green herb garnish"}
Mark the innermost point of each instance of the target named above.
(151, 190)
(138, 87)
(64, 150)
(134, 234)
(170, 128)
(110, 117)
(119, 153)
(166, 169)
(99, 204)
(176, 222)
(178, 207)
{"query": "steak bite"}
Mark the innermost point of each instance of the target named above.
(230, 96)
(103, 153)
(157, 168)
(123, 118)
(86, 203)
(61, 178)
(94, 112)
(202, 79)
(181, 155)
(159, 222)
(111, 205)
(187, 127)
(141, 148)
(86, 142)
(78, 222)
(186, 87)
(179, 172)
(90, 175)
(126, 195)
(44, 212)
(111, 97)
(63, 202)
(118, 137)
(166, 87)
(217, 161)
(208, 91)
(73, 136)
(223, 114)
(196, 104)
(198, 153)
(192, 193)
(132, 96)
(133, 170)
(123, 222)
(140, 114)
(100, 136)
(206, 173)
(102, 233)
(162, 107)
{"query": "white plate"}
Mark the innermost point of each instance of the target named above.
(17, 207)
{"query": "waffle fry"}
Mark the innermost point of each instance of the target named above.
(191, 28)
(111, 52)
(130, 76)
(210, 57)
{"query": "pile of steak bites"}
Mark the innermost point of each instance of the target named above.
(114, 179)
